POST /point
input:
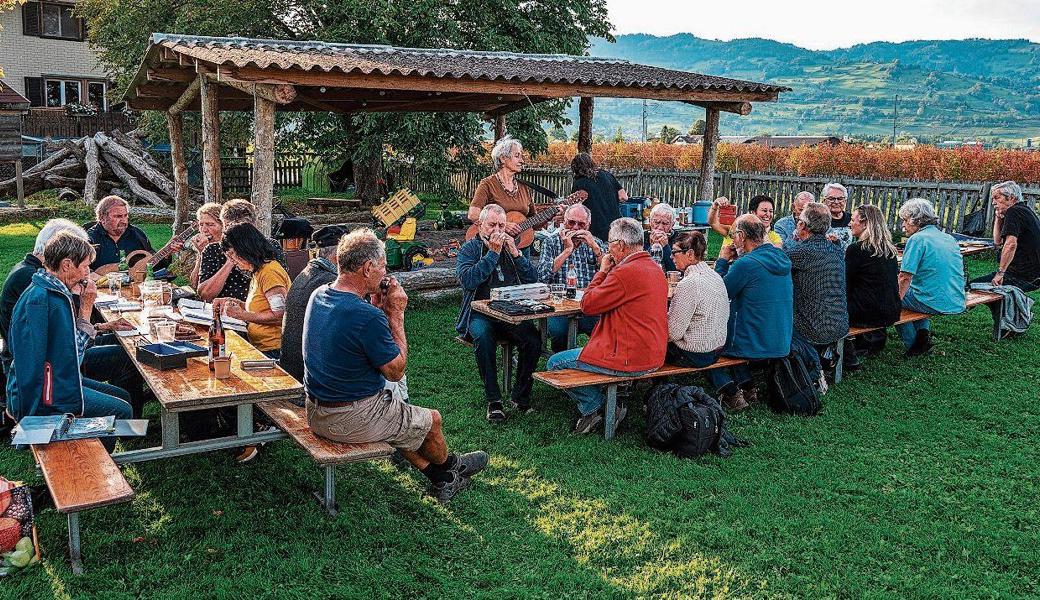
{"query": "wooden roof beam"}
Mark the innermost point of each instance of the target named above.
(186, 98)
(517, 105)
(740, 108)
(277, 93)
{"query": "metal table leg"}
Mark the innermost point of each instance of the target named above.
(245, 420)
(507, 369)
(611, 410)
(328, 500)
(841, 361)
(572, 332)
(75, 558)
(171, 429)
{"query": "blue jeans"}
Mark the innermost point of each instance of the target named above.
(908, 331)
(1022, 284)
(525, 339)
(558, 330)
(719, 378)
(111, 364)
(273, 354)
(590, 398)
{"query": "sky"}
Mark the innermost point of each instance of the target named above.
(829, 24)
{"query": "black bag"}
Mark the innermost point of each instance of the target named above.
(686, 421)
(975, 221)
(791, 388)
(702, 427)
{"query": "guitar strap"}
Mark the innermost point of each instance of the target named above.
(541, 190)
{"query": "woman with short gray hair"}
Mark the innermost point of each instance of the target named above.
(502, 187)
(931, 275)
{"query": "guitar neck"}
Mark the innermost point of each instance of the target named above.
(537, 219)
(168, 248)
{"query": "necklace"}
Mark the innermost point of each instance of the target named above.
(511, 192)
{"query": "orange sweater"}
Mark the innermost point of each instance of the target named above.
(632, 333)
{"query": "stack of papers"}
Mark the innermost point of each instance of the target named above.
(195, 311)
(54, 428)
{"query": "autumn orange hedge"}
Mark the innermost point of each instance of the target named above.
(850, 160)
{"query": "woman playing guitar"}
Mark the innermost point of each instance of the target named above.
(502, 188)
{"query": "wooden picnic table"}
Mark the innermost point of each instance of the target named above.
(966, 250)
(195, 388)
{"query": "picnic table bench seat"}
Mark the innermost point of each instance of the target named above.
(571, 378)
(80, 475)
(292, 419)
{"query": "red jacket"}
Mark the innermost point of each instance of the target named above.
(632, 333)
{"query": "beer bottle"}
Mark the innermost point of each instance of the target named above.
(216, 338)
(572, 282)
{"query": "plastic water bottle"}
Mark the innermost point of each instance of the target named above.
(657, 253)
(572, 282)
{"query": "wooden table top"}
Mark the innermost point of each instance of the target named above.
(566, 308)
(966, 250)
(194, 387)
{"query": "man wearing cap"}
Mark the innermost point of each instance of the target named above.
(319, 271)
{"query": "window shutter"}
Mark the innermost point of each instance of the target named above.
(31, 19)
(82, 29)
(34, 91)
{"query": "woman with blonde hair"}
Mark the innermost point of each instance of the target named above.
(211, 231)
(871, 280)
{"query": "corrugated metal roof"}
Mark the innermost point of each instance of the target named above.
(445, 63)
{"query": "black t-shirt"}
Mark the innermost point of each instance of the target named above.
(872, 286)
(602, 202)
(842, 221)
(1022, 223)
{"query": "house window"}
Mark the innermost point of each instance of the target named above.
(96, 95)
(62, 91)
(58, 21)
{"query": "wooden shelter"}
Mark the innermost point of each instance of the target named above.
(210, 74)
(12, 106)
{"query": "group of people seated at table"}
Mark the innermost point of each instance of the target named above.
(805, 280)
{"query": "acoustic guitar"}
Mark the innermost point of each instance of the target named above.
(525, 236)
(140, 260)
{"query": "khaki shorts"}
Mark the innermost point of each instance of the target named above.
(378, 418)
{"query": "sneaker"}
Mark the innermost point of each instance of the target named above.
(472, 463)
(445, 491)
(922, 344)
(495, 414)
(619, 415)
(733, 402)
(400, 462)
(521, 408)
(248, 453)
(587, 423)
(750, 394)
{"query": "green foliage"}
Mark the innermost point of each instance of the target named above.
(668, 133)
(118, 31)
(697, 128)
(619, 136)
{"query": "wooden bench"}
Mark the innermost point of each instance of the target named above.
(572, 378)
(292, 420)
(972, 299)
(80, 475)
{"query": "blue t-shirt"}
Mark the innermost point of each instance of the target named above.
(934, 260)
(345, 341)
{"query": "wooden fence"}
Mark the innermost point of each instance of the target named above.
(953, 200)
(236, 172)
(56, 124)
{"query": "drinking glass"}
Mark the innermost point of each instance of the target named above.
(673, 277)
(115, 283)
(557, 291)
(165, 331)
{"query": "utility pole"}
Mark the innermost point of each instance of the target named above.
(895, 117)
(644, 121)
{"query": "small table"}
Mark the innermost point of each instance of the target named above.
(564, 308)
(195, 388)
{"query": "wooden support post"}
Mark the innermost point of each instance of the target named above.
(585, 124)
(211, 182)
(500, 127)
(175, 128)
(19, 184)
(263, 162)
(186, 98)
(93, 163)
(710, 151)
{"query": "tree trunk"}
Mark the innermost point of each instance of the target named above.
(48, 162)
(585, 124)
(500, 127)
(263, 162)
(135, 162)
(210, 141)
(175, 128)
(711, 149)
(90, 185)
(135, 187)
(427, 279)
(35, 182)
(368, 164)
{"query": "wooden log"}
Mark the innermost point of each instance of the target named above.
(432, 278)
(48, 162)
(500, 127)
(135, 187)
(585, 110)
(35, 182)
(175, 127)
(135, 162)
(186, 98)
(281, 93)
(263, 162)
(19, 184)
(78, 183)
(740, 108)
(90, 185)
(710, 151)
(133, 144)
(210, 141)
(76, 148)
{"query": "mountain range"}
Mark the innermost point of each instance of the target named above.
(959, 89)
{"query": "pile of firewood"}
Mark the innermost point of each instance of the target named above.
(93, 167)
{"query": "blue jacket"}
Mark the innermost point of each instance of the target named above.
(45, 377)
(761, 310)
(474, 266)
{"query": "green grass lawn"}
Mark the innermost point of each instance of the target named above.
(918, 480)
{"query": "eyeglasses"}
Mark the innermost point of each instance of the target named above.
(835, 199)
(680, 250)
(609, 242)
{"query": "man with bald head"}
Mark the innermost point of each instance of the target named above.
(574, 248)
(785, 227)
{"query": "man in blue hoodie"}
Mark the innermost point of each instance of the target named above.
(761, 314)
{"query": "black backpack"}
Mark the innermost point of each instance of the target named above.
(702, 428)
(687, 421)
(791, 388)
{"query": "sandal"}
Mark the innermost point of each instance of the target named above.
(495, 414)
